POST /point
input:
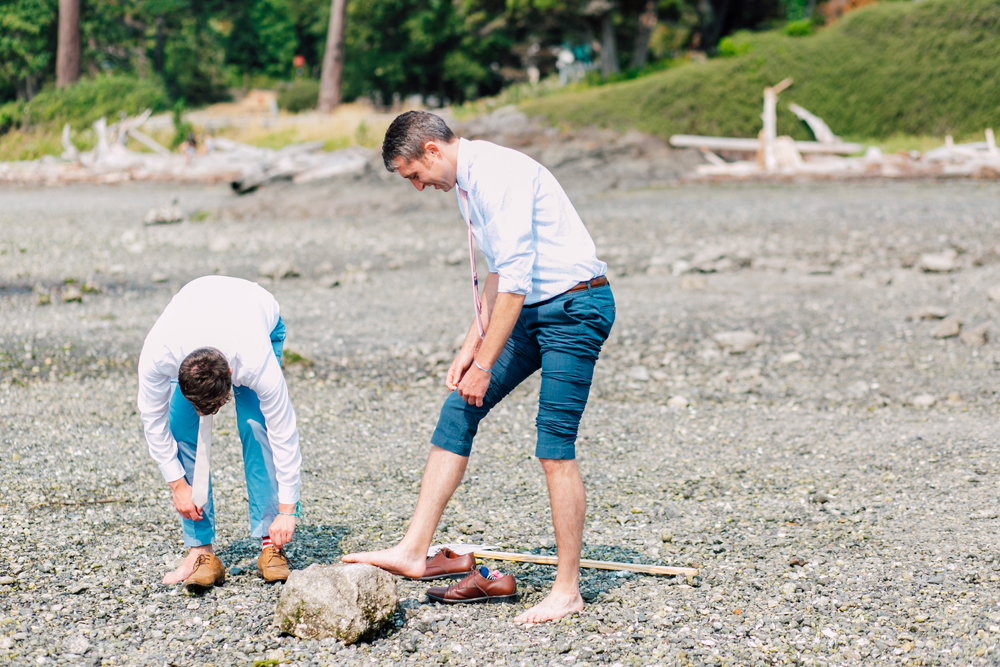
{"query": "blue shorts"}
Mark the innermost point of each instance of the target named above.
(563, 336)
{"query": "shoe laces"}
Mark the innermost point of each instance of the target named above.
(203, 559)
(276, 554)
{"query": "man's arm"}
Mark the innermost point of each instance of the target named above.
(463, 360)
(283, 437)
(506, 309)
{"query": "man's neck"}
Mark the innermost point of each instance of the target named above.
(450, 153)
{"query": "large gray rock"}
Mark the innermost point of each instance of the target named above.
(347, 601)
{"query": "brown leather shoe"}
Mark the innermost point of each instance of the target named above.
(272, 564)
(446, 563)
(208, 572)
(476, 588)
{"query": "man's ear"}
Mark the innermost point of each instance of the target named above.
(432, 149)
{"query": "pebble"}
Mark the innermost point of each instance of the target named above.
(976, 336)
(639, 373)
(678, 402)
(738, 342)
(948, 328)
(929, 313)
(924, 401)
(790, 358)
(994, 293)
(941, 262)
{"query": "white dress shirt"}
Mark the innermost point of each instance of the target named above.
(235, 317)
(524, 223)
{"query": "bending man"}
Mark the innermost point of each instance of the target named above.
(546, 304)
(218, 334)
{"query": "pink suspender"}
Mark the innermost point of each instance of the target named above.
(464, 196)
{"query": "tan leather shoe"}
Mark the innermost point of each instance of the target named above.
(476, 588)
(272, 564)
(446, 563)
(208, 572)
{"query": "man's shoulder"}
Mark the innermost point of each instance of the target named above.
(483, 148)
(496, 162)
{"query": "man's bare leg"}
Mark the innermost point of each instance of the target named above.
(187, 566)
(442, 475)
(569, 508)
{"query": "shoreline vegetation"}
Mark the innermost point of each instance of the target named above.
(861, 75)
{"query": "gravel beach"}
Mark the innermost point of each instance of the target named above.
(799, 398)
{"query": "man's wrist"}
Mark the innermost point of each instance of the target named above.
(177, 484)
(485, 370)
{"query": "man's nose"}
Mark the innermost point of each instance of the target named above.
(418, 185)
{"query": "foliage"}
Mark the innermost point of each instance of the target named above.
(262, 38)
(299, 96)
(931, 67)
(799, 28)
(82, 104)
(418, 46)
(182, 128)
(27, 45)
(734, 45)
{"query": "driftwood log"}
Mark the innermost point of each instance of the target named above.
(244, 166)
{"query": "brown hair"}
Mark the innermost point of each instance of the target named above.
(406, 137)
(205, 380)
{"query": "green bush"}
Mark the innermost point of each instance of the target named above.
(82, 104)
(299, 96)
(799, 28)
(730, 47)
(912, 68)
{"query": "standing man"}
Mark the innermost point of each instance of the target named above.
(546, 304)
(217, 334)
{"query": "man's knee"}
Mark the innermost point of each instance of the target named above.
(558, 466)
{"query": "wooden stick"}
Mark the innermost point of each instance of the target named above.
(72, 503)
(688, 572)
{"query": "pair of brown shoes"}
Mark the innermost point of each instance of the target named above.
(272, 565)
(477, 585)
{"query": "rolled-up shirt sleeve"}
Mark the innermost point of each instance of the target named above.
(154, 409)
(507, 212)
(282, 432)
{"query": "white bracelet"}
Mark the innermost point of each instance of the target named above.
(485, 370)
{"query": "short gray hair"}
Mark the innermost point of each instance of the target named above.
(406, 137)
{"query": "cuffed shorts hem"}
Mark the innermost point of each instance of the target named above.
(554, 447)
(453, 445)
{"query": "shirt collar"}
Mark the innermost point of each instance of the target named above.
(462, 176)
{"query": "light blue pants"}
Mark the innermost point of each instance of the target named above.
(258, 460)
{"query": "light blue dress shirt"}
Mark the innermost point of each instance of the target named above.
(524, 223)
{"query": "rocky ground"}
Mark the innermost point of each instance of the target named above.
(831, 469)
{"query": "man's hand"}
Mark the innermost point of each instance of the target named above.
(283, 526)
(182, 500)
(473, 386)
(458, 368)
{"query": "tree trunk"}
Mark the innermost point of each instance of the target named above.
(718, 24)
(609, 46)
(159, 46)
(333, 58)
(68, 50)
(647, 22)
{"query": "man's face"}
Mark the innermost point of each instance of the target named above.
(430, 170)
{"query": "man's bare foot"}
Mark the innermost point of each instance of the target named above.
(395, 560)
(187, 566)
(555, 605)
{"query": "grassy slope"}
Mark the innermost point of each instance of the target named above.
(931, 67)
